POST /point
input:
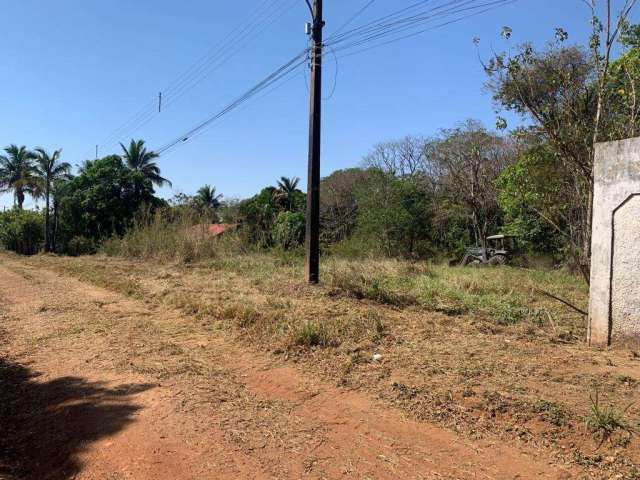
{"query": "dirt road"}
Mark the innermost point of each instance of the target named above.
(95, 385)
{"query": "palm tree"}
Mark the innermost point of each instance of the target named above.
(56, 189)
(49, 169)
(139, 159)
(17, 173)
(286, 189)
(206, 198)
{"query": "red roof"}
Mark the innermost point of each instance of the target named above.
(215, 229)
(219, 228)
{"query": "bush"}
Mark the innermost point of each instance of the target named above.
(80, 245)
(289, 229)
(182, 236)
(21, 231)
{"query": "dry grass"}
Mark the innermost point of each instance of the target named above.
(504, 296)
(477, 350)
(167, 236)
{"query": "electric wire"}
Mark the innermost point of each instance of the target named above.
(196, 66)
(261, 19)
(353, 17)
(419, 32)
(369, 33)
(388, 29)
(294, 63)
(211, 62)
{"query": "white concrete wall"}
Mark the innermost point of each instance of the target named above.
(615, 244)
(625, 305)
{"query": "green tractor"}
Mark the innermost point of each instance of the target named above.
(498, 251)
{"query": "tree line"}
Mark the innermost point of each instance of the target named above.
(416, 197)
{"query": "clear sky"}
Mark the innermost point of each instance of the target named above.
(73, 72)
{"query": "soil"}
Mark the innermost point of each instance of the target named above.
(97, 385)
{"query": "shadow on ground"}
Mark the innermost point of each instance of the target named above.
(45, 425)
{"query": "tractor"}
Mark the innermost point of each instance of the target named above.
(498, 251)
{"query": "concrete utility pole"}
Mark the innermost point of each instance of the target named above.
(312, 243)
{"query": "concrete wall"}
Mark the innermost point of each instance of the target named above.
(614, 306)
(625, 305)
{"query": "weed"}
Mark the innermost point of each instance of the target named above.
(165, 235)
(311, 334)
(552, 412)
(244, 316)
(370, 285)
(603, 422)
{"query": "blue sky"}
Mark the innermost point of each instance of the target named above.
(72, 72)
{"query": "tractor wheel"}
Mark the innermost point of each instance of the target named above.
(497, 261)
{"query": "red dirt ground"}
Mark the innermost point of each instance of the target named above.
(95, 385)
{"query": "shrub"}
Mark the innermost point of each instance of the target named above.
(181, 236)
(289, 229)
(80, 245)
(311, 334)
(21, 231)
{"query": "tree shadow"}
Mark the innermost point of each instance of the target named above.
(44, 426)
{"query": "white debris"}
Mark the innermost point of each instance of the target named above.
(377, 357)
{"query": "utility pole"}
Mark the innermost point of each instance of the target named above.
(96, 152)
(312, 242)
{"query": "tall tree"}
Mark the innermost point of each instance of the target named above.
(139, 159)
(102, 200)
(287, 187)
(18, 174)
(469, 159)
(206, 196)
(339, 203)
(207, 199)
(565, 91)
(49, 169)
(401, 158)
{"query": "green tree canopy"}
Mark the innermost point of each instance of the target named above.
(206, 197)
(286, 191)
(49, 169)
(139, 159)
(532, 194)
(103, 199)
(18, 173)
(394, 215)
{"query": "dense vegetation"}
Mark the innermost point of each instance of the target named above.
(417, 197)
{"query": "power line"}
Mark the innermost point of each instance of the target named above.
(370, 32)
(385, 29)
(294, 63)
(281, 82)
(215, 50)
(210, 63)
(261, 19)
(354, 17)
(420, 32)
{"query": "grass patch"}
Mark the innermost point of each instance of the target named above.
(505, 296)
(365, 283)
(311, 334)
(604, 421)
